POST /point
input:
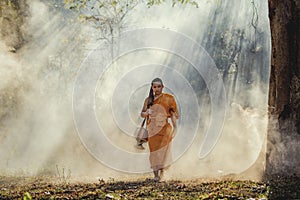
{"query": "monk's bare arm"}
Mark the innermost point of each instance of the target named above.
(145, 111)
(174, 116)
(174, 119)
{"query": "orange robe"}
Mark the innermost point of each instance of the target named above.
(160, 130)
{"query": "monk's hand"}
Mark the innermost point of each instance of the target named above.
(147, 113)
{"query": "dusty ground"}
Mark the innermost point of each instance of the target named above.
(47, 188)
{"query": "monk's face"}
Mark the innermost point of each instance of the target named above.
(157, 88)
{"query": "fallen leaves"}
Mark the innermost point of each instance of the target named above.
(43, 188)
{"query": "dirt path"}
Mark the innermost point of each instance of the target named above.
(46, 188)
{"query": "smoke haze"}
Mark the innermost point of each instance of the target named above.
(37, 130)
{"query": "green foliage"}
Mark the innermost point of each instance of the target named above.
(106, 16)
(104, 8)
(27, 196)
(174, 2)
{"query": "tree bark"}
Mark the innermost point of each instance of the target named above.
(283, 145)
(13, 16)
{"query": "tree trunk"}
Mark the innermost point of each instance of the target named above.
(12, 18)
(283, 145)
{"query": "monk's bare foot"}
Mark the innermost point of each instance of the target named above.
(161, 174)
(156, 179)
(156, 176)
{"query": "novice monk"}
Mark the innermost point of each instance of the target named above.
(158, 107)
